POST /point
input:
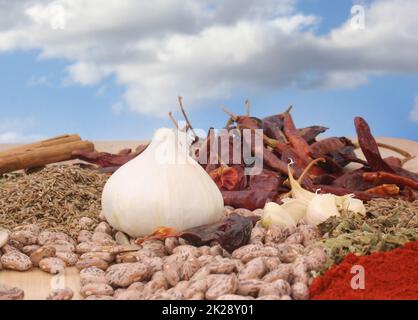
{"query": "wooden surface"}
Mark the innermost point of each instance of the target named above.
(37, 284)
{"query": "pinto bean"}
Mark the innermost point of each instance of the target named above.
(244, 250)
(295, 238)
(90, 289)
(129, 295)
(70, 258)
(187, 251)
(172, 273)
(103, 227)
(124, 274)
(254, 269)
(121, 238)
(91, 262)
(84, 236)
(272, 263)
(264, 252)
(170, 244)
(10, 293)
(52, 265)
(257, 235)
(41, 253)
(189, 268)
(283, 271)
(300, 291)
(4, 236)
(250, 287)
(106, 256)
(24, 237)
(275, 234)
(28, 250)
(61, 294)
(92, 275)
(222, 265)
(278, 287)
(103, 239)
(223, 284)
(85, 223)
(16, 261)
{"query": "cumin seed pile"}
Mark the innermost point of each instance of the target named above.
(54, 198)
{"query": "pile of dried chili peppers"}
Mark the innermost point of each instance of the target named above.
(378, 177)
(282, 140)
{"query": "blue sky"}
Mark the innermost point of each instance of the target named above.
(50, 89)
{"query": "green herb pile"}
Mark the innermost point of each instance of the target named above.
(388, 224)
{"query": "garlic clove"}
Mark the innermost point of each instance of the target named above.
(296, 208)
(320, 208)
(354, 205)
(275, 214)
(297, 191)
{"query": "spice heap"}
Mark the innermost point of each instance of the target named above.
(54, 198)
(387, 275)
(388, 224)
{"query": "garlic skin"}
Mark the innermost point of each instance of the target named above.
(320, 208)
(162, 187)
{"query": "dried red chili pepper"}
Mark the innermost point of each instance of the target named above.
(104, 159)
(160, 234)
(385, 189)
(249, 199)
(327, 145)
(231, 233)
(353, 180)
(386, 177)
(229, 178)
(298, 143)
(267, 180)
(369, 146)
(309, 134)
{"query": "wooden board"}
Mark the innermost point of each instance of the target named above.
(37, 284)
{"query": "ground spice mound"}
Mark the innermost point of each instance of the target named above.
(388, 275)
(54, 198)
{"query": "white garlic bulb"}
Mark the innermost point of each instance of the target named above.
(163, 186)
(320, 208)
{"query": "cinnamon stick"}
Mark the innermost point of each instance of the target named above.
(40, 144)
(42, 156)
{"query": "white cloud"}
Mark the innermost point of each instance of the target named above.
(17, 137)
(414, 112)
(204, 50)
(15, 131)
(39, 81)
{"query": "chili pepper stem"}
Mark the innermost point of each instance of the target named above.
(309, 167)
(247, 105)
(186, 118)
(289, 108)
(174, 120)
(407, 156)
(234, 117)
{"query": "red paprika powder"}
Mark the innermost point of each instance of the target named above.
(387, 275)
